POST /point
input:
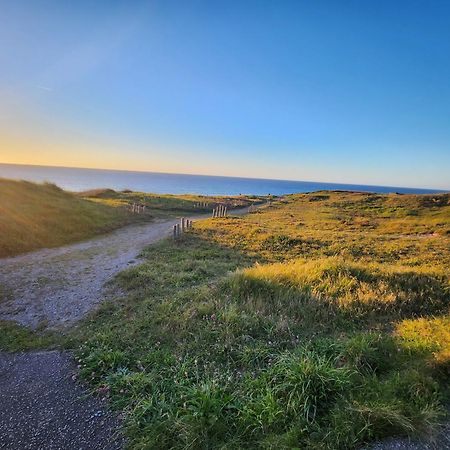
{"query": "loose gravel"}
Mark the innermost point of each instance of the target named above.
(55, 288)
(43, 407)
(441, 442)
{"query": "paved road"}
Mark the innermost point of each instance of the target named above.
(43, 407)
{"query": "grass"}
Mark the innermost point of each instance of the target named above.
(34, 216)
(318, 322)
(14, 338)
(164, 204)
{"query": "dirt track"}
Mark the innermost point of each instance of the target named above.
(57, 287)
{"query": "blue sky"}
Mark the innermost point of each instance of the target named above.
(342, 91)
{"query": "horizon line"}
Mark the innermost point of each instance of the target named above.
(225, 176)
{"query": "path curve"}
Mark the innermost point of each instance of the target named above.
(54, 288)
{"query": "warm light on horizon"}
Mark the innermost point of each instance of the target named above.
(217, 96)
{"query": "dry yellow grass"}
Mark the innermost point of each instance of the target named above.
(34, 215)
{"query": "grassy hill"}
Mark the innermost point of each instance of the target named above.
(34, 215)
(318, 322)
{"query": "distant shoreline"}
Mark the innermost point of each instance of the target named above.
(79, 179)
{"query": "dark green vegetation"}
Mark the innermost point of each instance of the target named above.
(14, 338)
(34, 216)
(318, 322)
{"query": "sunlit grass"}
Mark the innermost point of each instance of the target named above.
(161, 204)
(429, 334)
(349, 285)
(34, 215)
(317, 322)
(327, 336)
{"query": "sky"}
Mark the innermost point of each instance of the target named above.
(349, 91)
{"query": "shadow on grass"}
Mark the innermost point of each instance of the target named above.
(270, 357)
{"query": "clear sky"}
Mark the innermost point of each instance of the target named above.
(351, 91)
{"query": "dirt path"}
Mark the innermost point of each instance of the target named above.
(44, 407)
(57, 287)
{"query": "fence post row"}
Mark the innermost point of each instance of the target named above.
(135, 208)
(180, 228)
(220, 211)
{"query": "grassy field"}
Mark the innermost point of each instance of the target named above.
(320, 321)
(34, 216)
(163, 204)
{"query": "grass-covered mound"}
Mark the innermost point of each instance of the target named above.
(35, 215)
(332, 284)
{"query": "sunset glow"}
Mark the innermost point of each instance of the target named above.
(208, 90)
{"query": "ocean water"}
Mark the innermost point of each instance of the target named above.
(163, 183)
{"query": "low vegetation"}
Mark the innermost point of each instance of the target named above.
(34, 216)
(318, 322)
(160, 205)
(14, 338)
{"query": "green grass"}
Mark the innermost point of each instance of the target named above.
(14, 338)
(318, 322)
(287, 328)
(162, 204)
(34, 216)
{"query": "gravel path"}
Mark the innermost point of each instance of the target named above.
(442, 442)
(57, 287)
(44, 408)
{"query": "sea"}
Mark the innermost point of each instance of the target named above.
(75, 179)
